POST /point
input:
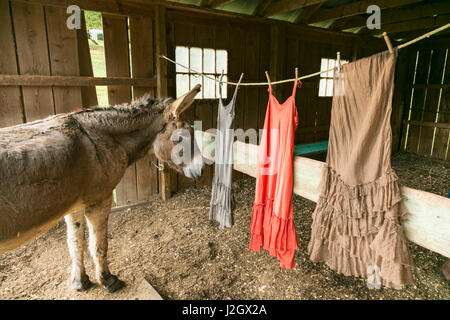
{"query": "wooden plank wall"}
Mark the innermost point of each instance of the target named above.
(305, 52)
(248, 52)
(426, 115)
(36, 41)
(131, 46)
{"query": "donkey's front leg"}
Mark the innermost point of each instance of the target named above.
(97, 220)
(77, 244)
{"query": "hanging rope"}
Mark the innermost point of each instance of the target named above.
(426, 35)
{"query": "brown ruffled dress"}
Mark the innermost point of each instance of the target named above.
(356, 224)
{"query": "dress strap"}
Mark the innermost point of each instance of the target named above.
(294, 90)
(233, 100)
(269, 89)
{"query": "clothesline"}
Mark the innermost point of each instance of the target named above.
(426, 35)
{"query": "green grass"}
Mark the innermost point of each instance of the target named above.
(99, 68)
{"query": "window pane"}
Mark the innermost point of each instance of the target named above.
(196, 59)
(221, 62)
(195, 79)
(323, 66)
(322, 87)
(208, 61)
(182, 84)
(331, 64)
(224, 88)
(181, 56)
(329, 87)
(208, 88)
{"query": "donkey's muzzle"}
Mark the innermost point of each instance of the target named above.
(194, 170)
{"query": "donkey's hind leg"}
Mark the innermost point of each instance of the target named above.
(77, 244)
(97, 220)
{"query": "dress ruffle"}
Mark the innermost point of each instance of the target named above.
(222, 205)
(357, 227)
(275, 234)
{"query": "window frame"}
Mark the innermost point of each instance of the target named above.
(190, 74)
(324, 76)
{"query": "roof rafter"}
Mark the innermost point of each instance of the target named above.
(213, 3)
(355, 8)
(395, 15)
(281, 6)
(417, 24)
(307, 12)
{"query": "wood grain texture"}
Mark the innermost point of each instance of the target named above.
(32, 53)
(162, 86)
(142, 59)
(11, 107)
(117, 65)
(63, 50)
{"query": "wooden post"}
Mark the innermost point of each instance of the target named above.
(161, 76)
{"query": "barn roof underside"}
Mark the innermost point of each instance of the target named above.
(401, 19)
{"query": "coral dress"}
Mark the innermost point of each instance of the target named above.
(272, 224)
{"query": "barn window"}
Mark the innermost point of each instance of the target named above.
(208, 61)
(326, 79)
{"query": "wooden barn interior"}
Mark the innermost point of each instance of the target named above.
(46, 68)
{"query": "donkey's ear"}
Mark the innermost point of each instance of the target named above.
(182, 103)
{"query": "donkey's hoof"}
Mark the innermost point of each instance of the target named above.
(112, 283)
(81, 285)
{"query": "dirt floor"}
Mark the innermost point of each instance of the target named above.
(185, 256)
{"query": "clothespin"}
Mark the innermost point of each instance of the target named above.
(338, 61)
(296, 76)
(268, 79)
(388, 42)
(221, 77)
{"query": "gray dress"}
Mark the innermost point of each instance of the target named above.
(222, 199)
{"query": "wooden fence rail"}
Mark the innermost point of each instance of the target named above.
(428, 222)
(73, 81)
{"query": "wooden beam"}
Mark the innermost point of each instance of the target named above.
(281, 6)
(217, 3)
(161, 76)
(427, 124)
(261, 7)
(73, 81)
(355, 8)
(395, 15)
(143, 8)
(428, 220)
(307, 13)
(424, 23)
(117, 7)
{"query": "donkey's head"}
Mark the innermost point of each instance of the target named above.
(175, 144)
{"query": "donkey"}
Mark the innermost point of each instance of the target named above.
(67, 165)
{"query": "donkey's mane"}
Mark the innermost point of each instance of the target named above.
(125, 117)
(144, 102)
